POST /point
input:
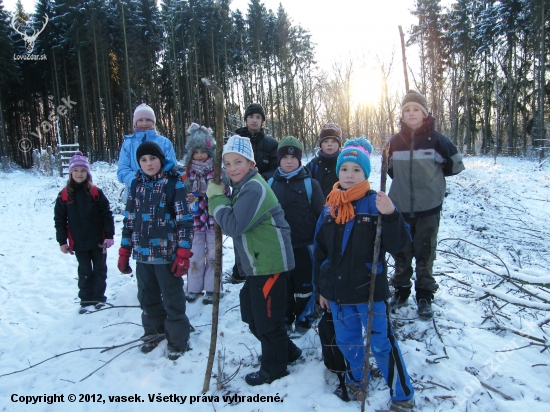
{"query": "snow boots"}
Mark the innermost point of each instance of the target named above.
(257, 378)
(400, 297)
(175, 352)
(151, 341)
(424, 300)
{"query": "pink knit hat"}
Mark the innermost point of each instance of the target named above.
(144, 112)
(79, 160)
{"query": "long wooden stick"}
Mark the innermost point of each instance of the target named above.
(402, 35)
(220, 115)
(378, 240)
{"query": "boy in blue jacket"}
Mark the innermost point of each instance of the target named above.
(344, 247)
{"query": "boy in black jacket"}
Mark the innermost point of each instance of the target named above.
(323, 166)
(419, 160)
(265, 153)
(302, 201)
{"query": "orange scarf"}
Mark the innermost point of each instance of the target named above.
(340, 200)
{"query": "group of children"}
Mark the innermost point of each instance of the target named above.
(297, 232)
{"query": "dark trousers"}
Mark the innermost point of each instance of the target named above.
(299, 287)
(424, 242)
(162, 301)
(92, 276)
(263, 306)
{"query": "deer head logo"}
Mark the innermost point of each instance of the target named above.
(29, 40)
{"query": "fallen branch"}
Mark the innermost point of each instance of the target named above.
(109, 361)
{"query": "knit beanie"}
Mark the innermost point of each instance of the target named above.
(152, 149)
(200, 138)
(144, 112)
(240, 145)
(413, 98)
(254, 108)
(79, 160)
(289, 146)
(356, 150)
(331, 131)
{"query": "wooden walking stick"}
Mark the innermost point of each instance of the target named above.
(402, 35)
(378, 239)
(220, 114)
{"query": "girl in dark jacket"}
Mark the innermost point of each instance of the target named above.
(83, 216)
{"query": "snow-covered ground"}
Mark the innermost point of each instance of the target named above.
(495, 226)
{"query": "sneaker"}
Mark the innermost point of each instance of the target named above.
(191, 296)
(208, 298)
(99, 305)
(151, 341)
(175, 352)
(355, 393)
(257, 378)
(424, 309)
(402, 406)
(397, 301)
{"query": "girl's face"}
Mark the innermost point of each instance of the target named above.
(145, 124)
(200, 155)
(254, 122)
(79, 174)
(237, 166)
(150, 165)
(289, 163)
(330, 146)
(413, 116)
(351, 174)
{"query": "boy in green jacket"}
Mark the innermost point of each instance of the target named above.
(261, 238)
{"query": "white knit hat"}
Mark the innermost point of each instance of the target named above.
(144, 112)
(240, 145)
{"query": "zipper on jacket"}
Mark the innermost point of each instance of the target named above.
(411, 188)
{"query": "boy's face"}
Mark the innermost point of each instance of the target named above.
(79, 174)
(200, 155)
(413, 116)
(350, 174)
(150, 165)
(237, 166)
(254, 122)
(144, 124)
(329, 146)
(289, 163)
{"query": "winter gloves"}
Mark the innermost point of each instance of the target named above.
(124, 261)
(107, 243)
(179, 268)
(214, 189)
(181, 264)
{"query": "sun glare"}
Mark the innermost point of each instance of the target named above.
(366, 87)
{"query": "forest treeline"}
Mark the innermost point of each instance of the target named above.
(483, 66)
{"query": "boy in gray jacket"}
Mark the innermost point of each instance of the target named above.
(419, 160)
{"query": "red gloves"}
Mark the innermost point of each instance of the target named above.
(124, 260)
(181, 264)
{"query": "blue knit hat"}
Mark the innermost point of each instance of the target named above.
(356, 150)
(240, 145)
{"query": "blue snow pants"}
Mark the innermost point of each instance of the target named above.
(349, 321)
